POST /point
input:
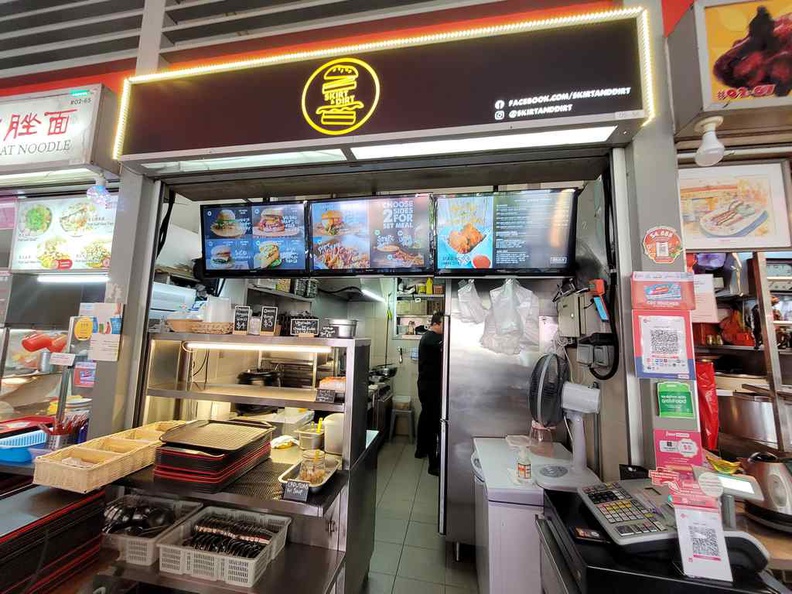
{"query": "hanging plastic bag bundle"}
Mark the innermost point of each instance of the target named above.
(512, 322)
(470, 308)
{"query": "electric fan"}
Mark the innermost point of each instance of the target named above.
(550, 395)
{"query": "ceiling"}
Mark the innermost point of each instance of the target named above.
(40, 36)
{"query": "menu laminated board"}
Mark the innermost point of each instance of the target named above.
(530, 230)
(241, 238)
(74, 234)
(375, 234)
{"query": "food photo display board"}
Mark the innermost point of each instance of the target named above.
(243, 239)
(64, 234)
(373, 235)
(735, 207)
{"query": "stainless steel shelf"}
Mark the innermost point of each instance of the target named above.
(298, 568)
(276, 293)
(731, 348)
(243, 394)
(419, 296)
(253, 490)
(262, 340)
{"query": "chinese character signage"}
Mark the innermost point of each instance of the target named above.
(47, 130)
(73, 234)
(748, 46)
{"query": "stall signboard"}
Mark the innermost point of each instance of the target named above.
(48, 130)
(522, 231)
(747, 50)
(595, 73)
(64, 234)
(392, 233)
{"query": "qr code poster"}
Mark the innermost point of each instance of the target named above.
(663, 345)
(702, 545)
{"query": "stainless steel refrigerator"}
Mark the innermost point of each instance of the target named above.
(485, 394)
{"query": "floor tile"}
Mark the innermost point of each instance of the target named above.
(460, 574)
(422, 564)
(390, 530)
(424, 512)
(390, 507)
(424, 536)
(408, 586)
(378, 583)
(400, 490)
(385, 558)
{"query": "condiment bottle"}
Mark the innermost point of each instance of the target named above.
(524, 464)
(429, 288)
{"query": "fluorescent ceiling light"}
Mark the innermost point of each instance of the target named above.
(247, 162)
(67, 278)
(274, 348)
(373, 295)
(46, 177)
(485, 143)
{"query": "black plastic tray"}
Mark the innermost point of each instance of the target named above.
(214, 435)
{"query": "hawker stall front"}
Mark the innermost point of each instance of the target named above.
(303, 218)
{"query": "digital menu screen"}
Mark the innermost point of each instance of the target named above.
(529, 232)
(374, 235)
(249, 239)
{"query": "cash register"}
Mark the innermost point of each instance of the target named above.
(623, 535)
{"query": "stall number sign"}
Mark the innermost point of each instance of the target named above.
(269, 319)
(241, 319)
(296, 490)
(303, 326)
(52, 130)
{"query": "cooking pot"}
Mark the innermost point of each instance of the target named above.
(382, 372)
(346, 328)
(774, 476)
(735, 381)
(259, 377)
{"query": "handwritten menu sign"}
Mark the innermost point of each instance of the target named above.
(295, 490)
(241, 319)
(302, 326)
(327, 396)
(269, 319)
(328, 332)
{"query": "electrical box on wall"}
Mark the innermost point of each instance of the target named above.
(571, 323)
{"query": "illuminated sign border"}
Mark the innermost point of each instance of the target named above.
(638, 13)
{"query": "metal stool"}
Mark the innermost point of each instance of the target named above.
(405, 412)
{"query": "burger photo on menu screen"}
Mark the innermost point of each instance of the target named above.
(332, 222)
(271, 222)
(268, 256)
(221, 257)
(226, 224)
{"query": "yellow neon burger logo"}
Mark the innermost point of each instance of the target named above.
(340, 96)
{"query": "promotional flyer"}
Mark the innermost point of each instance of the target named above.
(74, 234)
(254, 237)
(382, 234)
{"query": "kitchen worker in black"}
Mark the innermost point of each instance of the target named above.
(430, 388)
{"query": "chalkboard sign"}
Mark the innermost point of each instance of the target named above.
(295, 490)
(325, 396)
(301, 326)
(241, 319)
(328, 332)
(269, 319)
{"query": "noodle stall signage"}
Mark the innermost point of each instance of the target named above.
(54, 129)
(64, 234)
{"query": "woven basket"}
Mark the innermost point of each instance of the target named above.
(183, 326)
(113, 457)
(212, 327)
